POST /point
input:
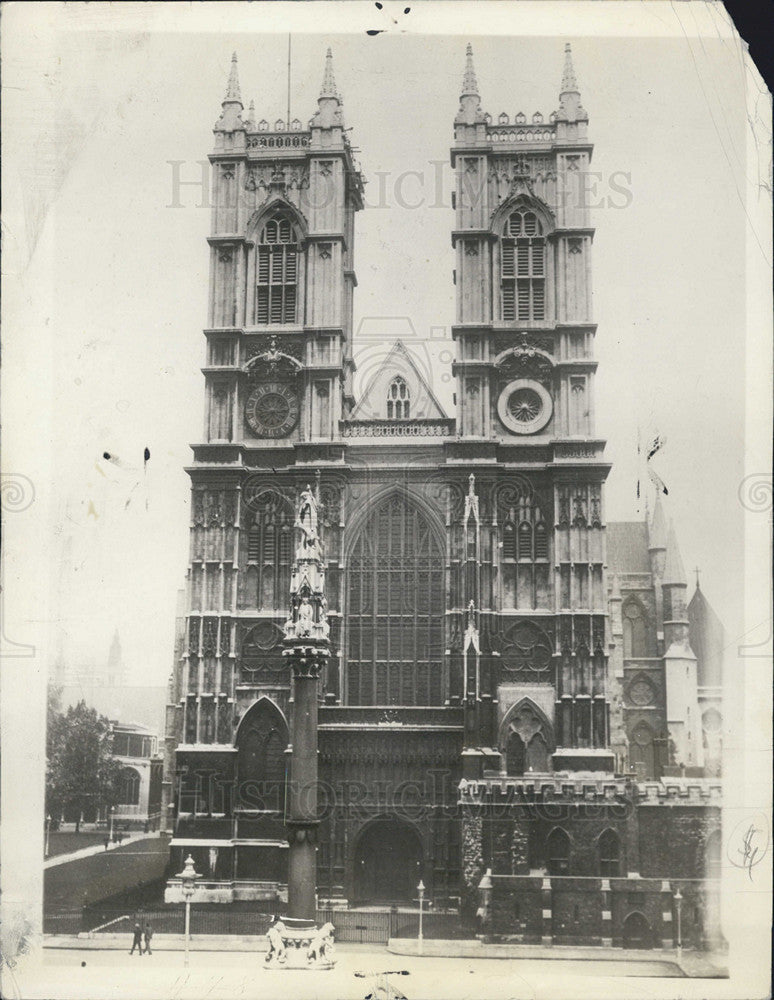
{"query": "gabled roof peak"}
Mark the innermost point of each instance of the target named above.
(399, 361)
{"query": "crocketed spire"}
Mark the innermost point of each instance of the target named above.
(570, 109)
(328, 114)
(469, 82)
(328, 88)
(231, 116)
(569, 83)
(233, 94)
(470, 112)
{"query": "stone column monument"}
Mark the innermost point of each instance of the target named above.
(306, 646)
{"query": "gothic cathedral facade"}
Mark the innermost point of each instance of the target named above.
(513, 691)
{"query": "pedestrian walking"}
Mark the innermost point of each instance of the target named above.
(148, 934)
(107, 842)
(137, 940)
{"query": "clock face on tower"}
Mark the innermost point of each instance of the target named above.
(272, 410)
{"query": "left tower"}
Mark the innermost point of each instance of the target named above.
(278, 379)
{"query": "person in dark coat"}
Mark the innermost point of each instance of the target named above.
(147, 934)
(137, 939)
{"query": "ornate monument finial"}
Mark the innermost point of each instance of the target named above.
(307, 630)
(471, 500)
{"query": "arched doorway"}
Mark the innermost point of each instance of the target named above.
(388, 862)
(636, 932)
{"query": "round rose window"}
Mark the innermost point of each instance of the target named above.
(524, 406)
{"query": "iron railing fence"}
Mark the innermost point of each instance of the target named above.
(363, 926)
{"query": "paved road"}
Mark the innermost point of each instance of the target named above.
(241, 976)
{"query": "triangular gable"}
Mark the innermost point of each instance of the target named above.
(372, 405)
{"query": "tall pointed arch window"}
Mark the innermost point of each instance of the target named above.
(398, 399)
(277, 272)
(609, 850)
(269, 550)
(635, 626)
(261, 743)
(558, 853)
(523, 267)
(395, 608)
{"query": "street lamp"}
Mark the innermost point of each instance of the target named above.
(48, 830)
(678, 905)
(112, 810)
(188, 877)
(421, 894)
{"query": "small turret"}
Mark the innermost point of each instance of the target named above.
(231, 116)
(674, 587)
(570, 109)
(470, 102)
(674, 571)
(680, 675)
(657, 540)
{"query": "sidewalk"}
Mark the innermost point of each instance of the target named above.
(90, 941)
(87, 852)
(702, 965)
(691, 965)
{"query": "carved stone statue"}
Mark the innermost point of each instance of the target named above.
(306, 519)
(305, 623)
(321, 948)
(276, 953)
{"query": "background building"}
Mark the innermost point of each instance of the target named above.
(512, 684)
(107, 686)
(139, 803)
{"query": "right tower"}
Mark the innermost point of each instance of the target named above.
(525, 387)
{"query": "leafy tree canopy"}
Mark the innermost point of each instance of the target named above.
(82, 774)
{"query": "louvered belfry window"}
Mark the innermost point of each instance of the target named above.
(395, 593)
(277, 273)
(523, 265)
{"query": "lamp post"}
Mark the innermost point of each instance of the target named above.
(421, 895)
(678, 906)
(112, 810)
(48, 830)
(188, 877)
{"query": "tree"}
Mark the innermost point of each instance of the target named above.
(82, 774)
